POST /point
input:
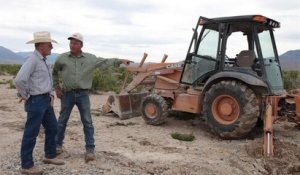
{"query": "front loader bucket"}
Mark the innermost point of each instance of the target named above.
(125, 105)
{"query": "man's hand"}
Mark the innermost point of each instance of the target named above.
(22, 99)
(59, 93)
(126, 62)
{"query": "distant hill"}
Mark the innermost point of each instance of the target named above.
(290, 60)
(9, 57)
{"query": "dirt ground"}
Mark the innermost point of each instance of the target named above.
(132, 147)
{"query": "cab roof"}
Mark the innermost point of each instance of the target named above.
(246, 18)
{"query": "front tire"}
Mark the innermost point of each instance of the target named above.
(154, 109)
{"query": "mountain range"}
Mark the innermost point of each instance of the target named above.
(9, 57)
(290, 60)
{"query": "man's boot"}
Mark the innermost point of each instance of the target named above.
(89, 156)
(32, 171)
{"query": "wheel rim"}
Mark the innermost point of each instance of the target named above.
(151, 110)
(225, 109)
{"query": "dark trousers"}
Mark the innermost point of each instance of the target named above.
(39, 111)
(82, 101)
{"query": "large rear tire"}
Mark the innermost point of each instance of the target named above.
(231, 109)
(154, 109)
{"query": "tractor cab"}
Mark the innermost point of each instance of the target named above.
(240, 47)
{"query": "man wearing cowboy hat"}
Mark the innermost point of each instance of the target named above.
(34, 85)
(76, 68)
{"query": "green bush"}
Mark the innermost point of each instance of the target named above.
(11, 69)
(291, 79)
(108, 79)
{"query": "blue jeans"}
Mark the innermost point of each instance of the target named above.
(39, 111)
(82, 101)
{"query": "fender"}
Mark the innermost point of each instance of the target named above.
(249, 79)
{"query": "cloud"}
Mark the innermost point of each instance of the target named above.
(128, 28)
(280, 5)
(121, 11)
(129, 6)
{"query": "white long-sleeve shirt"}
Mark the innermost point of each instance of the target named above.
(34, 77)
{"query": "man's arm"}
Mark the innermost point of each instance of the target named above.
(23, 77)
(102, 62)
(55, 76)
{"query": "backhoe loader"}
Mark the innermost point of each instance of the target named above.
(231, 76)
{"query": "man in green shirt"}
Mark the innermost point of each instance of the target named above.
(75, 69)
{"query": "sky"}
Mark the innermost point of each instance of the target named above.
(128, 28)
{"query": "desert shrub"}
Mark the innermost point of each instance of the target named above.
(11, 69)
(108, 79)
(291, 79)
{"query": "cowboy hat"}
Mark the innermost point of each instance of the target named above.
(41, 37)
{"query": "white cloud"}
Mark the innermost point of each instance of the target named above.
(119, 28)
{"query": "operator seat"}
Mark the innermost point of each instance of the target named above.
(245, 58)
